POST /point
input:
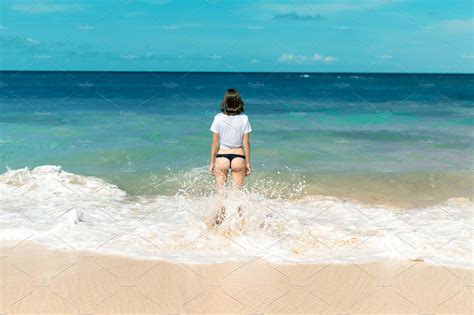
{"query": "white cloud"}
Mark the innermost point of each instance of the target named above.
(32, 41)
(329, 59)
(317, 57)
(321, 8)
(458, 25)
(290, 58)
(299, 17)
(44, 7)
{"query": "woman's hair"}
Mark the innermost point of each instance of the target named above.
(232, 103)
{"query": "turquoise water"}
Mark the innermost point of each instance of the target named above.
(138, 129)
(345, 167)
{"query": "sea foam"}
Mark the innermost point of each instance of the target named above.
(50, 206)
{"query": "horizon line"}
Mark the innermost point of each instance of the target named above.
(246, 72)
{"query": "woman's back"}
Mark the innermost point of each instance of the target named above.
(231, 129)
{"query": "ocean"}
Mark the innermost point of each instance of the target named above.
(346, 167)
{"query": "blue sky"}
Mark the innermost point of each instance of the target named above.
(213, 35)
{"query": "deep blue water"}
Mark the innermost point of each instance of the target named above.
(130, 124)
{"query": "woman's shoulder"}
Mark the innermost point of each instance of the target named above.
(245, 118)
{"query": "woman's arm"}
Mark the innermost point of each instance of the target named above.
(214, 147)
(246, 143)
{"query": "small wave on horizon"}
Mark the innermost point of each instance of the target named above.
(50, 206)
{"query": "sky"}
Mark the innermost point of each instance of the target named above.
(236, 36)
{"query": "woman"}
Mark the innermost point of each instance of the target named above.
(230, 140)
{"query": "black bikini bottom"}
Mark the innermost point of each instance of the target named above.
(230, 156)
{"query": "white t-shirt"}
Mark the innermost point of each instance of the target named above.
(231, 129)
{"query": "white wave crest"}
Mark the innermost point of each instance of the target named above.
(64, 210)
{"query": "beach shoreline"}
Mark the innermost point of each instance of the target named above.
(53, 207)
(40, 280)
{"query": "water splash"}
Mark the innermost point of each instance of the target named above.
(64, 210)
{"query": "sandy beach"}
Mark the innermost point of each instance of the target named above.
(39, 280)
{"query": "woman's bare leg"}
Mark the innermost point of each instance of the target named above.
(222, 170)
(238, 173)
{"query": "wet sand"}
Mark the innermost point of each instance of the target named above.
(39, 280)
